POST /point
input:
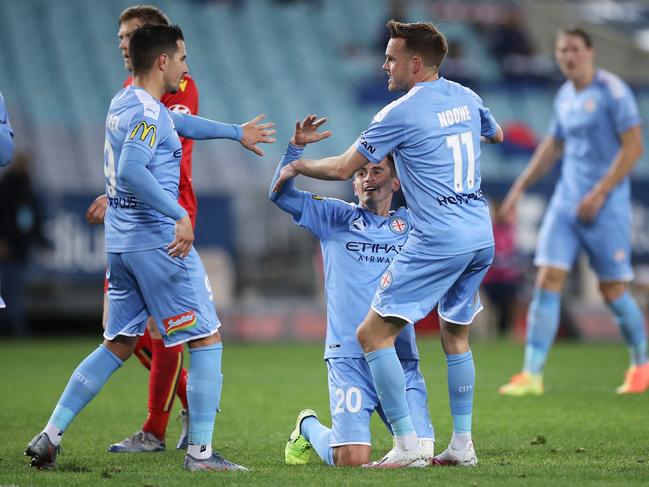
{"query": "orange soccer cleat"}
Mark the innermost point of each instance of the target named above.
(636, 380)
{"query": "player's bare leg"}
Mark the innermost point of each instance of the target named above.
(630, 319)
(542, 325)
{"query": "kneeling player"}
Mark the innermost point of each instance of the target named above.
(358, 242)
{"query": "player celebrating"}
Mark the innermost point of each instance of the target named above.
(153, 270)
(164, 363)
(358, 242)
(434, 134)
(596, 127)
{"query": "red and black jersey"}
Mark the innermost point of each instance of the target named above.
(185, 100)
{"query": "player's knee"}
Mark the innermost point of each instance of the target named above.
(363, 336)
(351, 455)
(611, 291)
(551, 279)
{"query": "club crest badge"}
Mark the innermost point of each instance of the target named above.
(398, 225)
(386, 280)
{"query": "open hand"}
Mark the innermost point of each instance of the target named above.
(306, 132)
(257, 133)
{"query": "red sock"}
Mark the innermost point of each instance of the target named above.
(166, 365)
(181, 390)
(144, 350)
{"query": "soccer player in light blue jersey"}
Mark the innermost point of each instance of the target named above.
(434, 134)
(6, 145)
(153, 269)
(596, 128)
(358, 243)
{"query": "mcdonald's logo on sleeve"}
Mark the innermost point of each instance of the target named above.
(146, 131)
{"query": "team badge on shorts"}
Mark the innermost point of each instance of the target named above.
(386, 280)
(180, 322)
(398, 225)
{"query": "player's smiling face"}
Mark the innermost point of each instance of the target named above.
(398, 65)
(574, 57)
(124, 33)
(176, 68)
(375, 183)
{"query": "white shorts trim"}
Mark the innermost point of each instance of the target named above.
(391, 315)
(548, 263)
(107, 337)
(461, 322)
(334, 445)
(624, 278)
(197, 337)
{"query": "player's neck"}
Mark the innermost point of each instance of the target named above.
(380, 208)
(424, 78)
(585, 79)
(152, 86)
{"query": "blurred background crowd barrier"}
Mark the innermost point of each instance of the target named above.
(61, 66)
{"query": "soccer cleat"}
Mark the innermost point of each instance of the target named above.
(398, 458)
(298, 449)
(183, 441)
(140, 442)
(461, 458)
(42, 451)
(636, 380)
(523, 384)
(215, 463)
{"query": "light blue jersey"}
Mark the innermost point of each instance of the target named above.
(357, 246)
(434, 134)
(137, 120)
(589, 123)
(6, 136)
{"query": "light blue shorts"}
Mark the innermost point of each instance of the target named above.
(353, 399)
(176, 292)
(606, 241)
(415, 283)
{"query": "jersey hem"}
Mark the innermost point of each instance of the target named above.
(385, 315)
(461, 322)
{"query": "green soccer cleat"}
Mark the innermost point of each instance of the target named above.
(298, 450)
(523, 384)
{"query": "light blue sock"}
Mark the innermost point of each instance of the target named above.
(461, 380)
(631, 322)
(318, 435)
(390, 385)
(203, 392)
(84, 384)
(542, 326)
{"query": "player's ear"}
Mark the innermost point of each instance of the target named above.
(417, 64)
(163, 59)
(396, 185)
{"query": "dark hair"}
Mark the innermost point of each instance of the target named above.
(423, 39)
(579, 32)
(148, 14)
(149, 41)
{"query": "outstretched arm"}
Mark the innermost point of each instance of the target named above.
(286, 196)
(545, 156)
(249, 134)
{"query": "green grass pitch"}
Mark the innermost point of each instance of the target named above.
(591, 436)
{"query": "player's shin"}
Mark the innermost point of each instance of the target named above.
(542, 326)
(631, 322)
(390, 384)
(203, 397)
(86, 381)
(318, 435)
(461, 381)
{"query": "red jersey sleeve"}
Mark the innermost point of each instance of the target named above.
(185, 100)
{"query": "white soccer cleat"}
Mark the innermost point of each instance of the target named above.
(465, 457)
(398, 458)
(428, 446)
